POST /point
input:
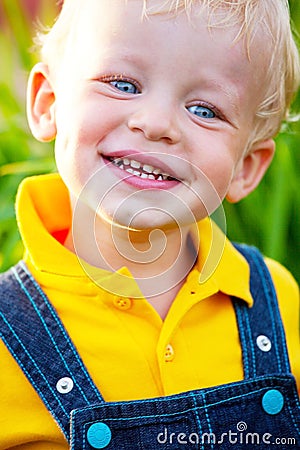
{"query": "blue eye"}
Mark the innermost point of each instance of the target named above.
(125, 86)
(202, 111)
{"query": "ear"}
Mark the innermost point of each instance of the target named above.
(251, 170)
(41, 104)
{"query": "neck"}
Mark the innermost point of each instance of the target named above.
(158, 259)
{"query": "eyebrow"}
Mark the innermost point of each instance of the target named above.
(128, 57)
(230, 92)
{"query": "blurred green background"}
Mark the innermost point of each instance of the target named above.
(268, 218)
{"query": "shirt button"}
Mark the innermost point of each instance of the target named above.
(264, 343)
(273, 401)
(122, 303)
(99, 435)
(169, 353)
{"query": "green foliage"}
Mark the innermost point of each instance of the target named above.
(20, 154)
(268, 218)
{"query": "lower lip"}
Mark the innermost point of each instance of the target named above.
(141, 183)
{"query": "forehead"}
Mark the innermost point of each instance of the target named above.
(121, 30)
(107, 20)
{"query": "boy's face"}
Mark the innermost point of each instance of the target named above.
(162, 93)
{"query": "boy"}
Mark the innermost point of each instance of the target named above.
(160, 110)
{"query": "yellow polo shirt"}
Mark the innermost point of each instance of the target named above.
(129, 351)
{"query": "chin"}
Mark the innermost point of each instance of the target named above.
(138, 221)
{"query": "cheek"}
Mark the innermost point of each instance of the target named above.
(218, 171)
(212, 181)
(82, 123)
(220, 176)
(85, 114)
(220, 162)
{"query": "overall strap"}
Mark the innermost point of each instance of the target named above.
(261, 329)
(35, 336)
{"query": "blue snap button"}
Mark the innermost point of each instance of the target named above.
(99, 435)
(273, 401)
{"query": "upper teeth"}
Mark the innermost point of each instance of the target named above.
(138, 169)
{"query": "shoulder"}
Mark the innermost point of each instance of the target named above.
(285, 284)
(8, 287)
(6, 282)
(287, 291)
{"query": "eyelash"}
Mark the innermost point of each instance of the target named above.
(218, 114)
(121, 77)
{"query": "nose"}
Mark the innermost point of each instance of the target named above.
(157, 119)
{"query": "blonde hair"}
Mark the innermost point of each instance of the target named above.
(272, 17)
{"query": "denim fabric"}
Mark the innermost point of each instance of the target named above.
(262, 320)
(208, 418)
(253, 413)
(33, 333)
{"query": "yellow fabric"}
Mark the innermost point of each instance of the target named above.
(128, 350)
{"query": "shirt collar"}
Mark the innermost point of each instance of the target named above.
(43, 214)
(219, 262)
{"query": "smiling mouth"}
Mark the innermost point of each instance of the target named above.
(137, 169)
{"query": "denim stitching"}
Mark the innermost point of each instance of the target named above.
(253, 254)
(33, 383)
(207, 418)
(293, 418)
(54, 315)
(196, 410)
(261, 378)
(49, 333)
(84, 434)
(266, 280)
(247, 321)
(262, 275)
(193, 396)
(170, 399)
(245, 355)
(29, 375)
(269, 301)
(153, 416)
(70, 344)
(72, 435)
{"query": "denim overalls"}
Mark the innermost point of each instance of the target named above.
(262, 411)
